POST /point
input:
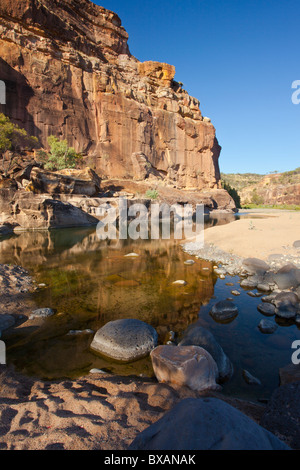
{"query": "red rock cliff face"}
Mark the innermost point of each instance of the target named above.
(68, 72)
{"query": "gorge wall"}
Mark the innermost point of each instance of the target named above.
(69, 72)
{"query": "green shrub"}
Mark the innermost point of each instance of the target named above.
(60, 156)
(151, 194)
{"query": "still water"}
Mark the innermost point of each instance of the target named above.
(90, 282)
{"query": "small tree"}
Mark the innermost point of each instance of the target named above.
(256, 198)
(233, 193)
(13, 139)
(60, 156)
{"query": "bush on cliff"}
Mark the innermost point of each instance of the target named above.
(13, 140)
(60, 156)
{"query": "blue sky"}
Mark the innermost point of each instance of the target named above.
(239, 58)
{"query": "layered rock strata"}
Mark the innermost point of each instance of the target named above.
(68, 72)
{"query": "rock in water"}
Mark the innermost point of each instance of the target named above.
(125, 340)
(266, 309)
(196, 335)
(189, 366)
(42, 313)
(250, 379)
(267, 326)
(224, 311)
(205, 424)
(288, 276)
(255, 266)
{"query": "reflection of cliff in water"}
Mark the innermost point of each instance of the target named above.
(84, 273)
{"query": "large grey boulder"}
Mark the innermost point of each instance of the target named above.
(224, 311)
(282, 415)
(205, 424)
(125, 340)
(255, 266)
(189, 366)
(288, 276)
(198, 336)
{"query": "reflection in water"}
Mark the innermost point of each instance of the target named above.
(90, 282)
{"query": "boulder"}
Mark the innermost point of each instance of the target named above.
(267, 326)
(282, 415)
(189, 366)
(288, 276)
(196, 335)
(224, 311)
(285, 298)
(205, 424)
(125, 340)
(266, 309)
(69, 181)
(255, 266)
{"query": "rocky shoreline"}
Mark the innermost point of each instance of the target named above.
(63, 406)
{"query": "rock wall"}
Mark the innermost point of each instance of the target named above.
(68, 72)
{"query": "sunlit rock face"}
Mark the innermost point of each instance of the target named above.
(68, 72)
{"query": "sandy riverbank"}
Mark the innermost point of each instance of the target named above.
(261, 234)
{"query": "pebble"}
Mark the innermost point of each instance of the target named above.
(179, 282)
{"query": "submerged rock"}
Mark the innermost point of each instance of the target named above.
(189, 366)
(224, 310)
(267, 326)
(250, 379)
(179, 282)
(42, 313)
(125, 340)
(205, 424)
(196, 335)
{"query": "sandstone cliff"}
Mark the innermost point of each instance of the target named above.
(68, 72)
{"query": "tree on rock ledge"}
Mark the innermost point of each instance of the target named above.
(13, 140)
(60, 156)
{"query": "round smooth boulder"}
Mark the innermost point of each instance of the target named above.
(255, 266)
(205, 424)
(266, 309)
(224, 311)
(196, 335)
(125, 340)
(288, 276)
(267, 326)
